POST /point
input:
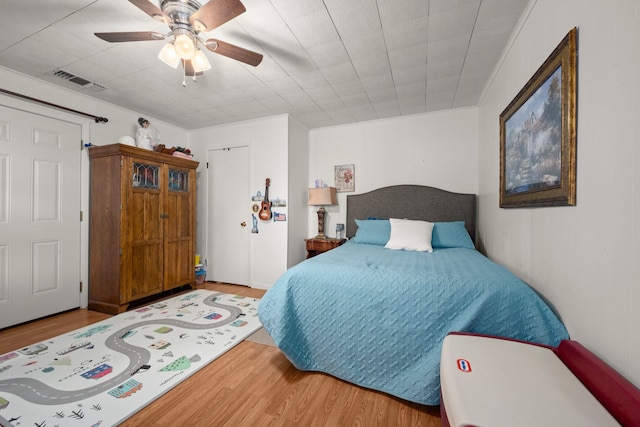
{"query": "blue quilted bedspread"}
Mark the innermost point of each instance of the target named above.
(377, 317)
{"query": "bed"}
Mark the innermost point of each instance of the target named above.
(376, 317)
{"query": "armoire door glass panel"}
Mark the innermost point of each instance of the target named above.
(145, 176)
(178, 180)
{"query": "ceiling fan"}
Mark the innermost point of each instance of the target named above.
(186, 19)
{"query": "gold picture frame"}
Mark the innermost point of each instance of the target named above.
(538, 135)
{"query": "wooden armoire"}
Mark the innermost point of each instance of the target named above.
(142, 225)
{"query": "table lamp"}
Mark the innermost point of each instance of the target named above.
(322, 196)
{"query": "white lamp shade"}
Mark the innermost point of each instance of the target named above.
(169, 56)
(184, 46)
(323, 196)
(200, 62)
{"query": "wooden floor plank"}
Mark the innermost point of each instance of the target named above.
(250, 385)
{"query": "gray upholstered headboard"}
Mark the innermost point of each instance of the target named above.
(412, 202)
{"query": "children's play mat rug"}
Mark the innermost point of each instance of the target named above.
(105, 372)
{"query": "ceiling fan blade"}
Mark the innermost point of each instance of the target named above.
(152, 10)
(189, 70)
(130, 36)
(234, 52)
(215, 13)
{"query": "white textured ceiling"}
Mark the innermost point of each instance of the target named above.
(326, 62)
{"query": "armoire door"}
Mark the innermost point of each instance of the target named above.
(40, 165)
(142, 266)
(179, 224)
(229, 219)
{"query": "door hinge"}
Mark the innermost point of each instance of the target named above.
(207, 165)
(80, 286)
(81, 216)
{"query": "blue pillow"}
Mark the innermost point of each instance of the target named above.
(451, 235)
(372, 231)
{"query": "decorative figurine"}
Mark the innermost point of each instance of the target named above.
(144, 137)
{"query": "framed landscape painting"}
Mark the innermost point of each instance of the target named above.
(538, 135)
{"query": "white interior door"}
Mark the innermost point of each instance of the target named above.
(229, 216)
(40, 171)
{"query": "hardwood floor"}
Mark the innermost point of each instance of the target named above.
(250, 385)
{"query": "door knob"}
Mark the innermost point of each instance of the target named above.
(243, 224)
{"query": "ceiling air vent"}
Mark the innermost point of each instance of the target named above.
(78, 82)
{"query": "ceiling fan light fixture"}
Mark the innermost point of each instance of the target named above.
(200, 62)
(186, 19)
(184, 46)
(169, 56)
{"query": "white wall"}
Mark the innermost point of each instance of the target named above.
(437, 149)
(297, 203)
(584, 259)
(267, 140)
(121, 122)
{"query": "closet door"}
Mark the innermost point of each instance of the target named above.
(40, 167)
(229, 220)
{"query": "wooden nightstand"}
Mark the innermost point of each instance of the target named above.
(317, 246)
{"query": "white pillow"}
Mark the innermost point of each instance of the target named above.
(410, 235)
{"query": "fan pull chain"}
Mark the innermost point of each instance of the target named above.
(184, 74)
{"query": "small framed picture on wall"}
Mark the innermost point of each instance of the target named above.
(345, 178)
